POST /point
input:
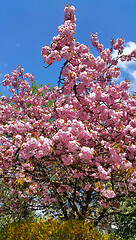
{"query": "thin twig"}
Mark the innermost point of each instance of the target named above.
(46, 66)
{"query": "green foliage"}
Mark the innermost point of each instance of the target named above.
(50, 103)
(126, 222)
(35, 86)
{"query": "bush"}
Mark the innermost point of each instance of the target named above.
(39, 229)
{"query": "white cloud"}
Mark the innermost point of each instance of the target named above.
(129, 47)
(128, 68)
(133, 74)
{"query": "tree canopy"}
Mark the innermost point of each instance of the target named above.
(71, 146)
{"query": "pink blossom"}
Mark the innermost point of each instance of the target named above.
(114, 62)
(69, 13)
(133, 132)
(73, 146)
(100, 64)
(96, 43)
(87, 187)
(133, 53)
(86, 153)
(109, 193)
(30, 76)
(104, 174)
(7, 81)
(66, 53)
(119, 44)
(106, 55)
(67, 159)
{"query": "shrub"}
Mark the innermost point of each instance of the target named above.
(39, 229)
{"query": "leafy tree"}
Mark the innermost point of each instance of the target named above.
(72, 146)
(125, 221)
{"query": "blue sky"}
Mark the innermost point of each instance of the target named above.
(27, 25)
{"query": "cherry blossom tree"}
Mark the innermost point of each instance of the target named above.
(74, 145)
